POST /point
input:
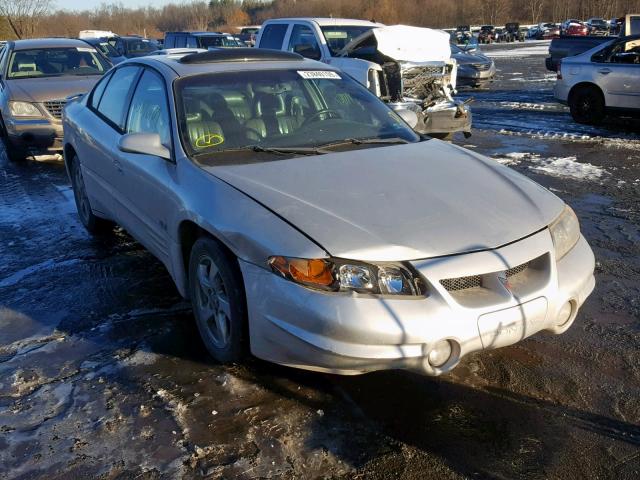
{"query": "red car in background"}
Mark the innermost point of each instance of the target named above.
(574, 28)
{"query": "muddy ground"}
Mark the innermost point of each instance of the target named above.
(102, 374)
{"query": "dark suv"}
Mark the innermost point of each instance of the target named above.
(133, 47)
(200, 40)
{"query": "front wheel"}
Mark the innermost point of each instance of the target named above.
(217, 295)
(94, 225)
(587, 106)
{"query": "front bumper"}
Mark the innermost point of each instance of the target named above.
(472, 76)
(442, 118)
(349, 333)
(36, 136)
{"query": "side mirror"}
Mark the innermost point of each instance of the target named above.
(409, 116)
(144, 144)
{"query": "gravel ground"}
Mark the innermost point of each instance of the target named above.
(102, 374)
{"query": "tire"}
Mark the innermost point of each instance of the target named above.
(217, 295)
(14, 154)
(586, 105)
(94, 225)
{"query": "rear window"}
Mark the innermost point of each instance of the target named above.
(140, 47)
(218, 41)
(273, 36)
(55, 62)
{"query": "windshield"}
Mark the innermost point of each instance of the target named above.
(280, 109)
(140, 48)
(55, 62)
(106, 49)
(219, 41)
(338, 36)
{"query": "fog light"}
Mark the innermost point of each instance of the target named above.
(440, 354)
(565, 313)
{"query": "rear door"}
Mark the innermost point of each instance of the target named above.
(105, 123)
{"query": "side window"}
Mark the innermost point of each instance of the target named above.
(113, 104)
(181, 41)
(626, 52)
(149, 112)
(273, 35)
(192, 41)
(98, 91)
(303, 41)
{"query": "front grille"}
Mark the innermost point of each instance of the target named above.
(414, 72)
(475, 281)
(481, 66)
(55, 107)
(461, 283)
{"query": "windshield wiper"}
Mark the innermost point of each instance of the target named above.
(368, 141)
(287, 150)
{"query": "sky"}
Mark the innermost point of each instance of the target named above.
(89, 4)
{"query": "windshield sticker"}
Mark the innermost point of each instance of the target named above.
(209, 140)
(319, 74)
(84, 49)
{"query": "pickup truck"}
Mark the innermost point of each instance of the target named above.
(568, 46)
(410, 68)
(602, 80)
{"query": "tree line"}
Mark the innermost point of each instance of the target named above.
(34, 18)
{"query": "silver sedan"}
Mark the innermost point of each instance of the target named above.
(308, 223)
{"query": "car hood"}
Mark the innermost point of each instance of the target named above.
(406, 43)
(467, 58)
(397, 203)
(50, 88)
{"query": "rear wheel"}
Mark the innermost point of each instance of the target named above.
(587, 105)
(217, 295)
(94, 225)
(15, 154)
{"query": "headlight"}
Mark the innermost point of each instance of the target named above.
(24, 109)
(337, 275)
(565, 232)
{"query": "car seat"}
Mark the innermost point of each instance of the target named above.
(271, 117)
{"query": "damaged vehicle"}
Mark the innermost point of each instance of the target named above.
(308, 223)
(410, 68)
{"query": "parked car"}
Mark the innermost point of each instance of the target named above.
(474, 68)
(615, 25)
(408, 67)
(602, 80)
(597, 26)
(104, 47)
(539, 31)
(486, 34)
(574, 28)
(570, 46)
(133, 47)
(463, 34)
(513, 33)
(36, 77)
(550, 33)
(499, 35)
(203, 40)
(322, 232)
(248, 35)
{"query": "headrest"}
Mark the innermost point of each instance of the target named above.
(267, 104)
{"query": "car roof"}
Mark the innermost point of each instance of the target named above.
(47, 43)
(325, 22)
(187, 69)
(201, 34)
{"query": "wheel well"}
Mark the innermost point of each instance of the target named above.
(68, 153)
(584, 85)
(188, 233)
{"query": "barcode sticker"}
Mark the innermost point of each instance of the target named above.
(319, 74)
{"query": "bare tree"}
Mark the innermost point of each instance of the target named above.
(23, 16)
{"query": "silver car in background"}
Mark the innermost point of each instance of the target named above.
(305, 220)
(474, 68)
(36, 77)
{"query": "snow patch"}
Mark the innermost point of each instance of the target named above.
(567, 167)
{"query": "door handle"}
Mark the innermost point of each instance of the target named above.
(604, 71)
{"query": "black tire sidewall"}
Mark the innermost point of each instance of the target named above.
(596, 113)
(234, 287)
(93, 224)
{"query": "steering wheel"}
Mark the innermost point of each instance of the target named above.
(319, 113)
